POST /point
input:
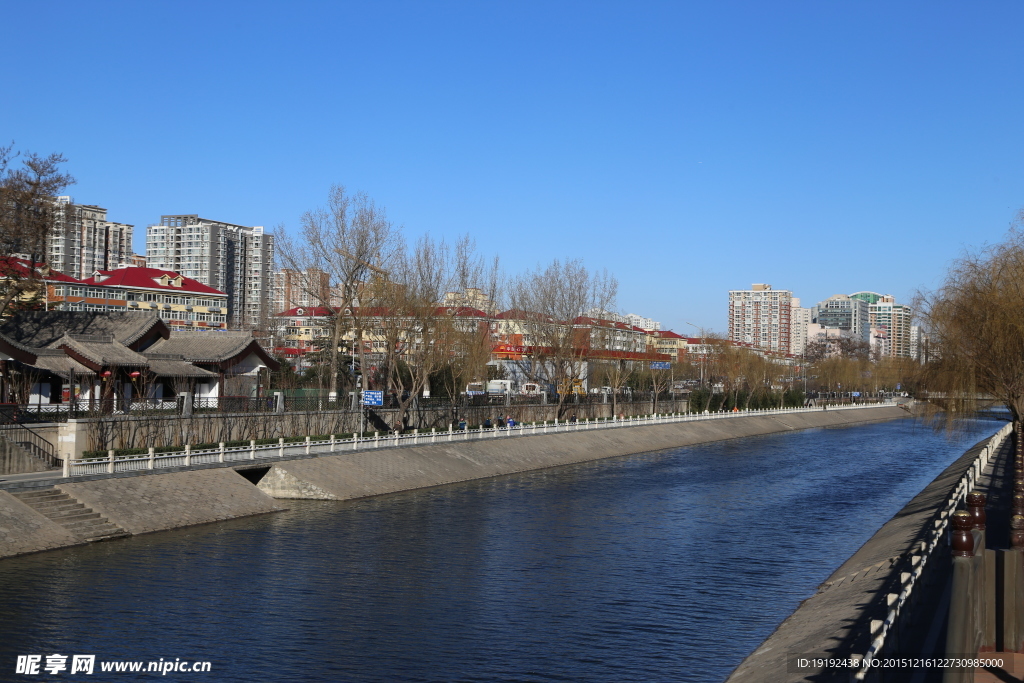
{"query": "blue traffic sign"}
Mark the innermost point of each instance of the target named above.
(373, 398)
(660, 365)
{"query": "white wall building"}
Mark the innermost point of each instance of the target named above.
(642, 322)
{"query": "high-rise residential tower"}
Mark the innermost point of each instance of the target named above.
(235, 259)
(761, 317)
(800, 318)
(83, 240)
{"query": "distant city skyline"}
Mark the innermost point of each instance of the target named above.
(690, 149)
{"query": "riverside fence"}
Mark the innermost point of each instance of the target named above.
(885, 633)
(309, 445)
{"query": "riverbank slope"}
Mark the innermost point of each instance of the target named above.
(147, 501)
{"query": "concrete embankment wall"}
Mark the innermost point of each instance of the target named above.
(356, 475)
(143, 502)
(134, 431)
(837, 621)
(140, 505)
(23, 530)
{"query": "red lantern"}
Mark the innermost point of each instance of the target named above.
(106, 373)
(135, 375)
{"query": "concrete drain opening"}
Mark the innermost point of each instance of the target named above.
(254, 474)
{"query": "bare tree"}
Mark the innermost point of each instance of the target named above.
(352, 242)
(28, 213)
(548, 306)
(421, 334)
(975, 321)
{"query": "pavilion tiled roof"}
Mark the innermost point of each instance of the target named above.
(171, 365)
(59, 363)
(103, 350)
(204, 347)
(39, 329)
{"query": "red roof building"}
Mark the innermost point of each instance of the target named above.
(182, 303)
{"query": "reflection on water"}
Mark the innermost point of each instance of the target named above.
(666, 566)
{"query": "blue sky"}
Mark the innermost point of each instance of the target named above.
(689, 148)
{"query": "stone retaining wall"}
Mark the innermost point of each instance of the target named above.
(23, 530)
(128, 431)
(142, 502)
(370, 473)
(140, 505)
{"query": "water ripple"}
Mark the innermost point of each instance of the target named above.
(666, 566)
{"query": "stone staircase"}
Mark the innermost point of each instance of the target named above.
(70, 514)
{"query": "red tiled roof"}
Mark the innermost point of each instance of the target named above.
(517, 314)
(10, 265)
(148, 278)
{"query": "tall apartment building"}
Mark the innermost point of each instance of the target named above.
(235, 259)
(890, 324)
(800, 319)
(83, 240)
(842, 312)
(761, 317)
(300, 289)
(893, 320)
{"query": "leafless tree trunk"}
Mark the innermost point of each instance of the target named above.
(351, 241)
(548, 307)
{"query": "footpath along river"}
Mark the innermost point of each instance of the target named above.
(667, 566)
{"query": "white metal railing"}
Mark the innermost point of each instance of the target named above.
(281, 450)
(926, 549)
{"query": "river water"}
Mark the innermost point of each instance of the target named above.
(667, 566)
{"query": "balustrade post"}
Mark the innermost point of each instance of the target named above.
(252, 449)
(976, 506)
(433, 435)
(376, 439)
(152, 457)
(280, 446)
(110, 461)
(332, 443)
(965, 630)
(1013, 588)
(415, 436)
(220, 457)
(188, 455)
(1017, 531)
(450, 430)
(307, 444)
